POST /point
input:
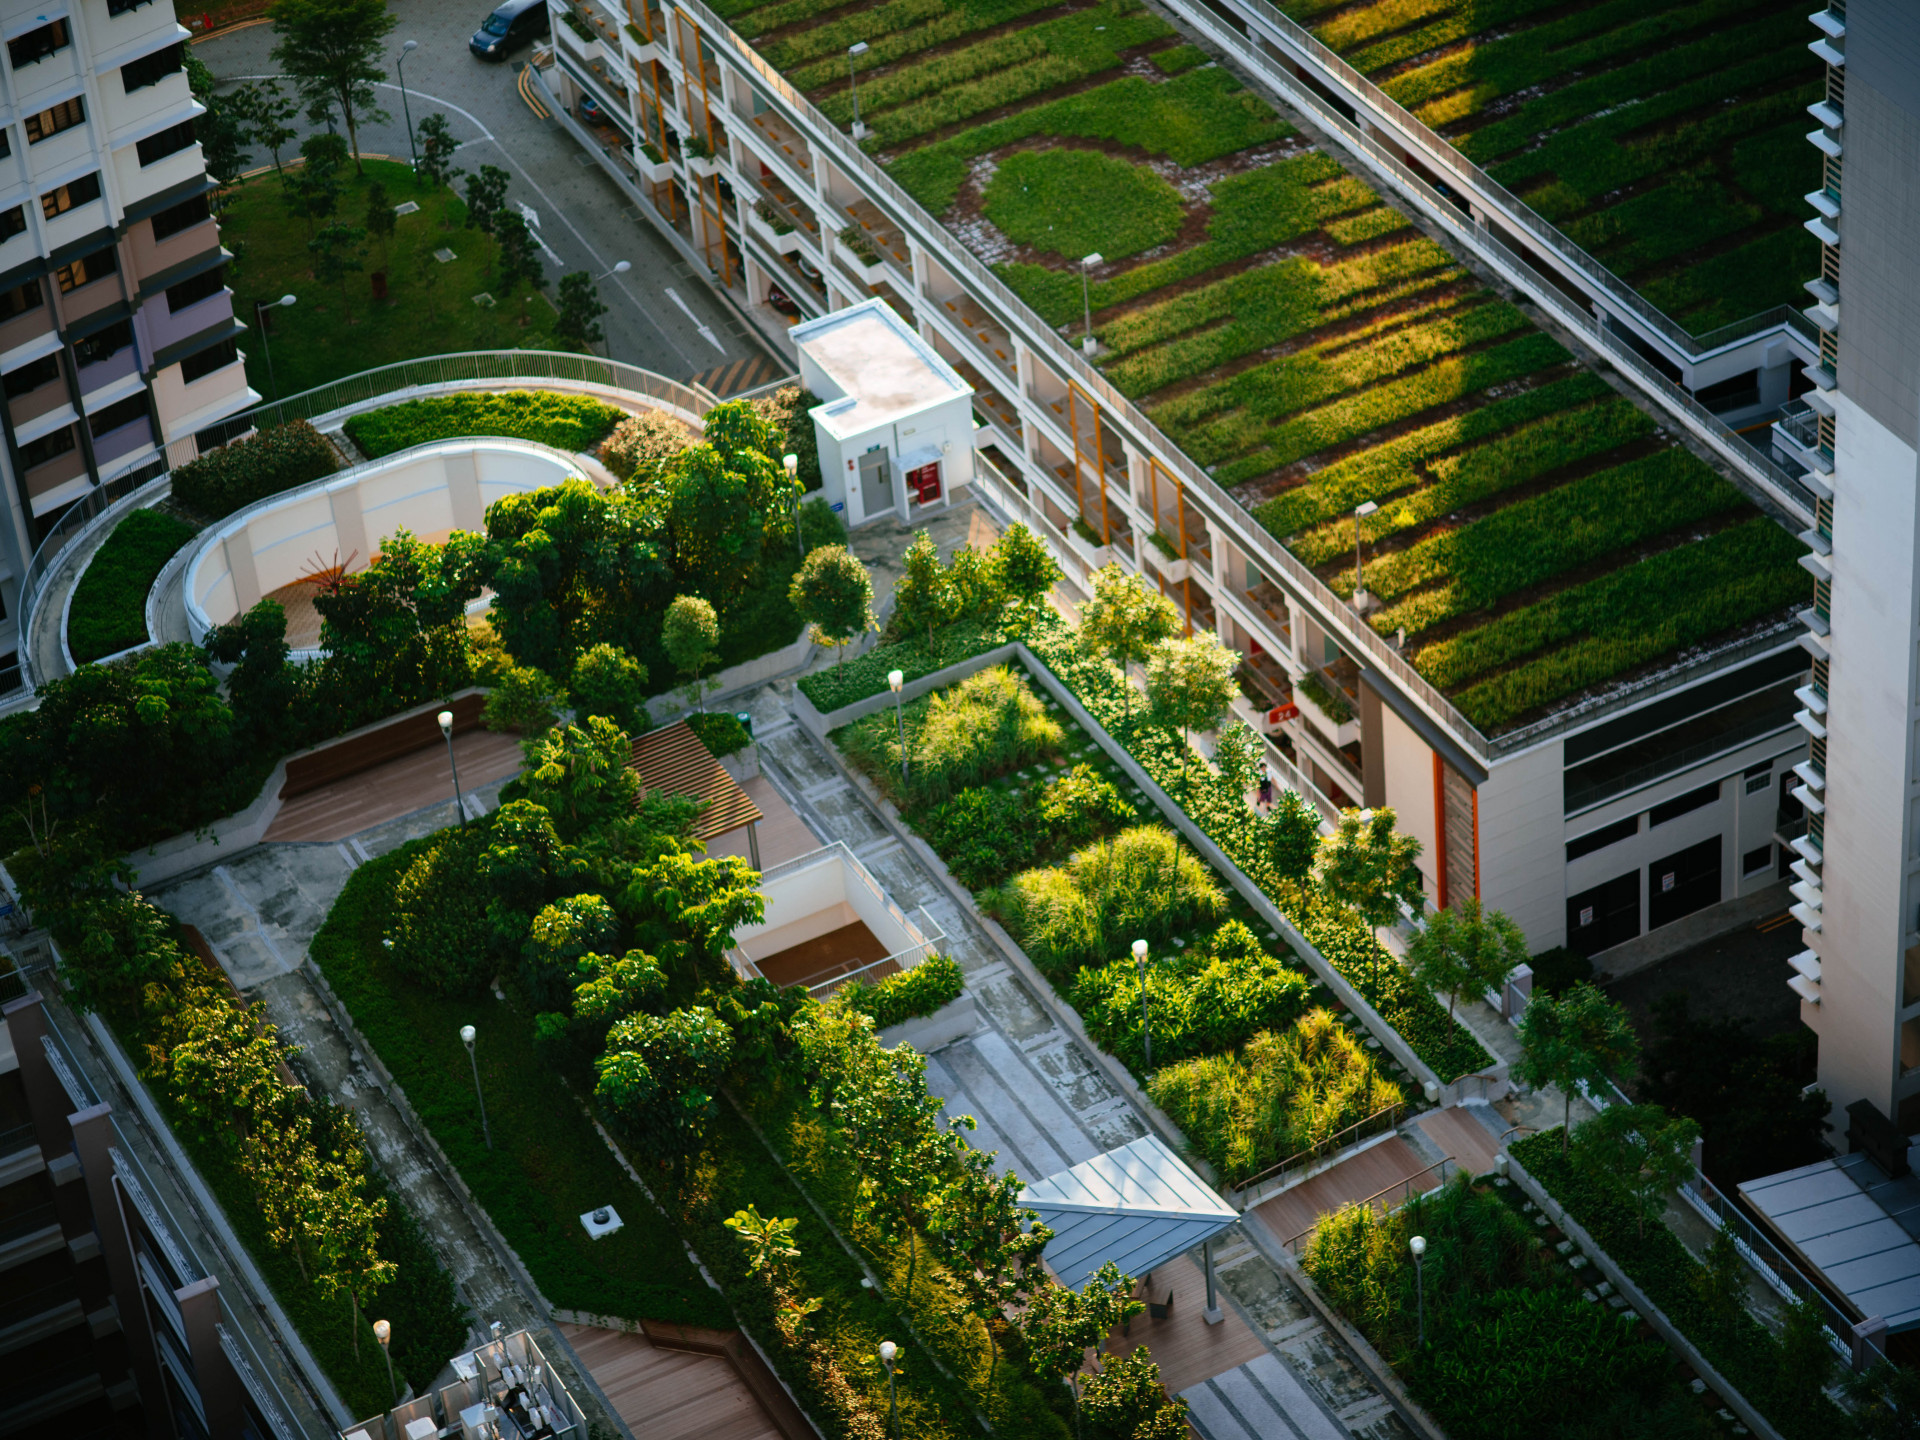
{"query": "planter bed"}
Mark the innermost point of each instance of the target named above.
(1299, 339)
(109, 608)
(1665, 139)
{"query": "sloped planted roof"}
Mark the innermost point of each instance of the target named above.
(673, 761)
(1137, 1206)
(1853, 1225)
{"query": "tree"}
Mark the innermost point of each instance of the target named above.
(263, 687)
(615, 989)
(1190, 685)
(1027, 569)
(1368, 868)
(336, 252)
(380, 221)
(1127, 1401)
(578, 323)
(1467, 950)
(486, 198)
(516, 258)
(223, 130)
(1581, 1037)
(1643, 1151)
(658, 1077)
(923, 595)
(685, 910)
(1124, 621)
(1061, 1325)
(1293, 835)
(437, 149)
(608, 681)
(267, 114)
(332, 51)
(1722, 1280)
(768, 1243)
(524, 700)
(1886, 1400)
(313, 191)
(834, 594)
(1238, 754)
(581, 776)
(691, 635)
(1807, 1360)
(346, 1230)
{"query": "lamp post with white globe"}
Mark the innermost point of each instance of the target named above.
(896, 679)
(467, 1033)
(1418, 1244)
(260, 308)
(446, 729)
(383, 1332)
(1146, 1024)
(888, 1352)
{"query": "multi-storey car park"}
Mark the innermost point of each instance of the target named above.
(1571, 667)
(117, 332)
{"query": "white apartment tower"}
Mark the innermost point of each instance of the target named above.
(117, 332)
(1859, 871)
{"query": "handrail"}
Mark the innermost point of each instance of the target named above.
(1330, 610)
(1328, 1146)
(1439, 1164)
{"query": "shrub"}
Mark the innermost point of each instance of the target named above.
(984, 834)
(1078, 808)
(524, 700)
(440, 937)
(1283, 1091)
(719, 731)
(820, 524)
(109, 611)
(640, 444)
(989, 723)
(566, 422)
(934, 982)
(263, 464)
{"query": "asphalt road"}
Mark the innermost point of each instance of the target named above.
(663, 314)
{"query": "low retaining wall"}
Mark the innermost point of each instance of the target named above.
(953, 1021)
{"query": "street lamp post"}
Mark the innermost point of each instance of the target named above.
(466, 1038)
(620, 267)
(896, 679)
(446, 729)
(888, 1350)
(791, 464)
(383, 1332)
(406, 109)
(260, 308)
(1087, 263)
(1146, 1024)
(1418, 1244)
(854, 52)
(1360, 513)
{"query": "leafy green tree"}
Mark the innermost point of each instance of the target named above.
(437, 149)
(923, 597)
(1466, 950)
(486, 198)
(516, 258)
(1640, 1149)
(224, 129)
(691, 635)
(1886, 1400)
(380, 221)
(608, 681)
(265, 112)
(1190, 685)
(347, 1234)
(519, 867)
(578, 322)
(337, 250)
(1061, 1325)
(582, 775)
(974, 576)
(1579, 1037)
(1367, 867)
(1027, 568)
(615, 989)
(263, 686)
(1126, 1400)
(658, 1078)
(1293, 835)
(332, 50)
(562, 934)
(313, 191)
(524, 700)
(1807, 1360)
(1124, 620)
(1721, 1281)
(819, 525)
(834, 594)
(748, 443)
(686, 909)
(1238, 754)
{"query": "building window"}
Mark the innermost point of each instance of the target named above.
(13, 222)
(150, 69)
(6, 142)
(196, 288)
(175, 218)
(55, 118)
(103, 344)
(121, 412)
(1683, 804)
(170, 141)
(30, 377)
(121, 7)
(204, 362)
(1754, 861)
(74, 192)
(36, 45)
(20, 299)
(1818, 678)
(86, 269)
(47, 447)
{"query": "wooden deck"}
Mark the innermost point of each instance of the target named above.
(1463, 1137)
(1187, 1349)
(670, 1394)
(816, 961)
(1371, 1171)
(782, 834)
(396, 788)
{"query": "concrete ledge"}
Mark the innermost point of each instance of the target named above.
(1645, 951)
(953, 1021)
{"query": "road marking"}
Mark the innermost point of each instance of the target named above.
(524, 85)
(532, 217)
(705, 333)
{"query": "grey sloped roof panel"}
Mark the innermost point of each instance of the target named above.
(1846, 1233)
(1138, 1206)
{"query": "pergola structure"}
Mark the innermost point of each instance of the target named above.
(673, 761)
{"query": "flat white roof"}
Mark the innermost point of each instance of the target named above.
(1137, 1206)
(885, 372)
(1853, 1225)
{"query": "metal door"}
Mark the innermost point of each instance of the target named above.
(876, 484)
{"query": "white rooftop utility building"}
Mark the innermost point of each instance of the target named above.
(895, 428)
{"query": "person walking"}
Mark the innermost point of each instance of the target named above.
(1266, 790)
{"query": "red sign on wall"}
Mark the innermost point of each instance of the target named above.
(1283, 712)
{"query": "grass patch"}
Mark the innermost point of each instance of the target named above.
(1072, 203)
(566, 422)
(109, 611)
(429, 308)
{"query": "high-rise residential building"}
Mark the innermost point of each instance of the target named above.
(117, 331)
(1859, 868)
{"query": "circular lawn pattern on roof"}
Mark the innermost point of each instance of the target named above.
(1073, 203)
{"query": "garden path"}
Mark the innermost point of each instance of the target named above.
(1044, 1103)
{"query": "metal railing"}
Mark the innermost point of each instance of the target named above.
(900, 960)
(1382, 1119)
(1402, 1188)
(1329, 609)
(1457, 166)
(26, 1220)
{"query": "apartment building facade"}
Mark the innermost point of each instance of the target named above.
(1591, 827)
(117, 331)
(1858, 885)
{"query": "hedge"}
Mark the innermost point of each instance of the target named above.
(109, 611)
(266, 463)
(866, 675)
(566, 422)
(934, 982)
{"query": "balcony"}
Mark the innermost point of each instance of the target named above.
(1796, 435)
(1828, 113)
(884, 238)
(990, 338)
(785, 143)
(1003, 417)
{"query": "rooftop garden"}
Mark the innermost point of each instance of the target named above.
(1667, 139)
(1538, 536)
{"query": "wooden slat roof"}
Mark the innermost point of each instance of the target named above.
(673, 760)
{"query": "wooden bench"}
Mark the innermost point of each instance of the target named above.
(375, 747)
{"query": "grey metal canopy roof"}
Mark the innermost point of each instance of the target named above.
(1137, 1206)
(1853, 1225)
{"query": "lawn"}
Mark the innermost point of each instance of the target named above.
(109, 610)
(1667, 139)
(337, 330)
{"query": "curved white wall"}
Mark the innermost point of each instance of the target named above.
(428, 490)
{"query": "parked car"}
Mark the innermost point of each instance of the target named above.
(515, 23)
